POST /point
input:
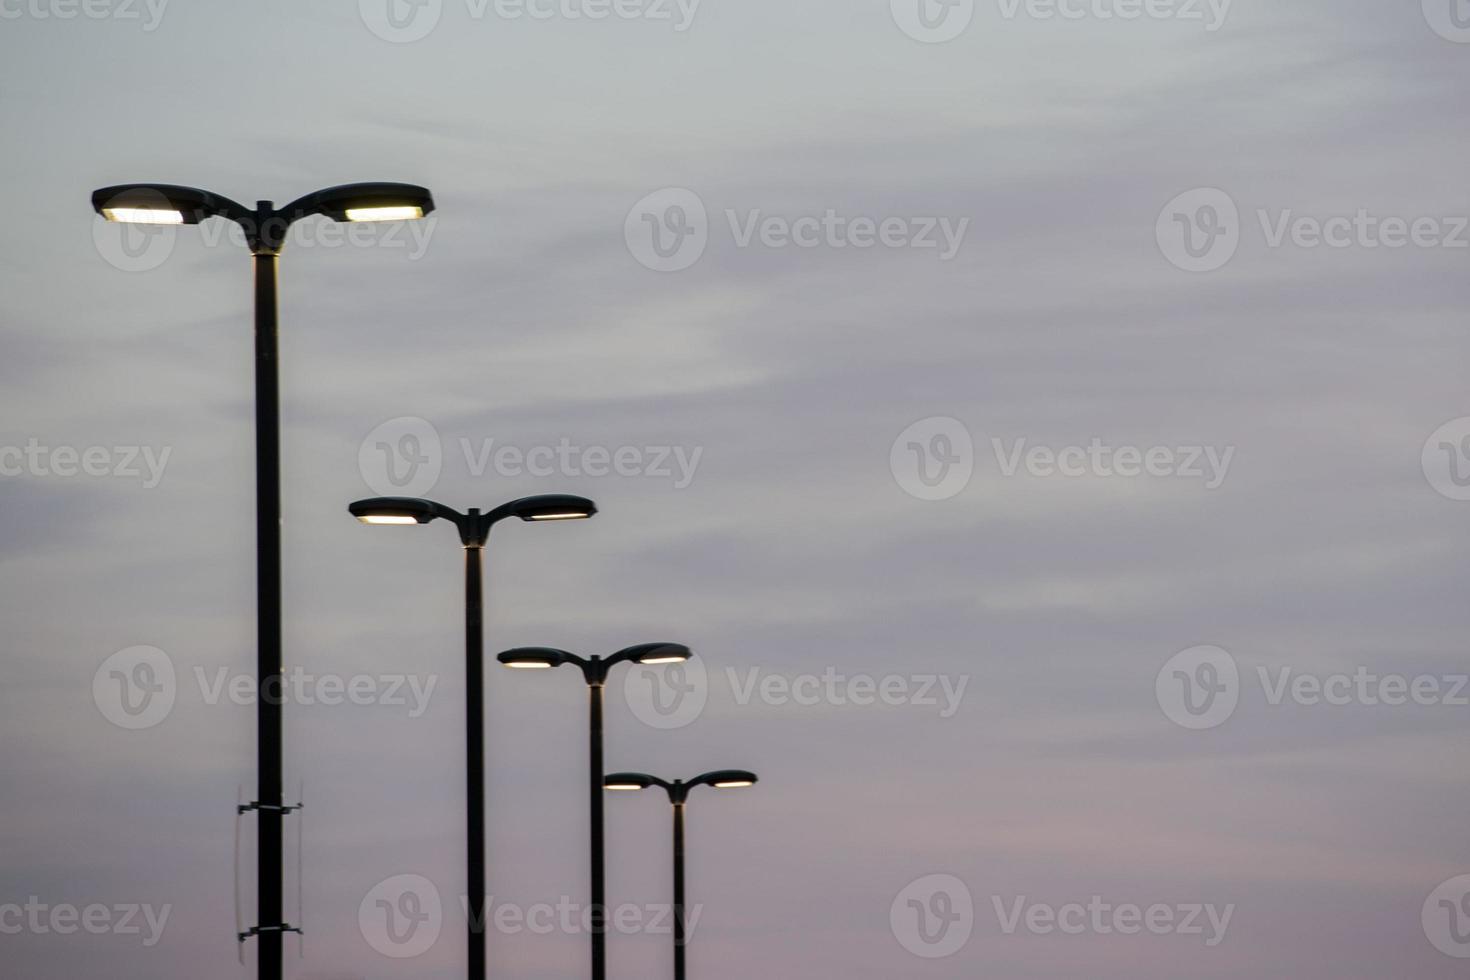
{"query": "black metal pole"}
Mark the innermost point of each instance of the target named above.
(474, 663)
(679, 939)
(269, 866)
(598, 911)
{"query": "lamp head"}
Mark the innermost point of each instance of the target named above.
(653, 654)
(729, 779)
(393, 511)
(369, 202)
(628, 781)
(156, 204)
(553, 507)
(534, 658)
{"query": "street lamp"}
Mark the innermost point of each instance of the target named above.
(595, 671)
(678, 792)
(474, 530)
(265, 232)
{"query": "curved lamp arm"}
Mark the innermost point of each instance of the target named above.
(679, 789)
(264, 225)
(474, 527)
(725, 779)
(651, 654)
(595, 669)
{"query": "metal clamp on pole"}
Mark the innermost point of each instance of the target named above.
(256, 805)
(257, 930)
(241, 808)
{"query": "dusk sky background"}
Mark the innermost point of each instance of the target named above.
(526, 313)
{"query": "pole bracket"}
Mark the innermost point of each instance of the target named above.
(254, 931)
(285, 810)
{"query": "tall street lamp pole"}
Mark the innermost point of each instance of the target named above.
(595, 671)
(474, 530)
(678, 791)
(265, 232)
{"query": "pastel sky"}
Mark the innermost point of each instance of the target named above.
(1007, 358)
